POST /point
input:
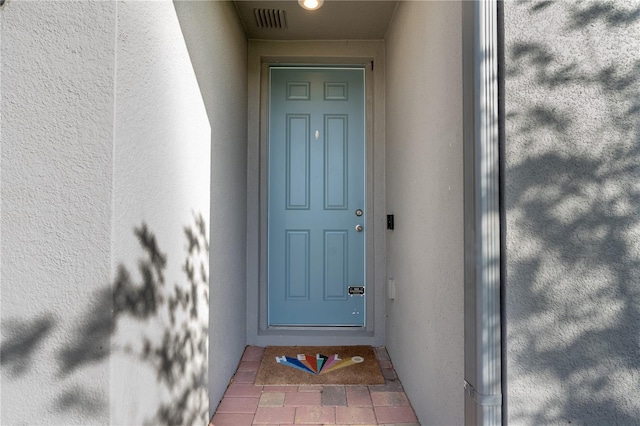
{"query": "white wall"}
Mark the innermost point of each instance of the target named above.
(218, 50)
(57, 72)
(161, 179)
(424, 192)
(573, 212)
(111, 140)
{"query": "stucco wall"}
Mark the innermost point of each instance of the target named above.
(424, 192)
(573, 212)
(57, 98)
(106, 172)
(218, 49)
(161, 224)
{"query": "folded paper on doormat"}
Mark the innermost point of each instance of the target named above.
(319, 365)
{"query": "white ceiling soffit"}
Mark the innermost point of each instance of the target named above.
(335, 20)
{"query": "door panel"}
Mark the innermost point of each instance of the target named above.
(316, 184)
(297, 165)
(335, 166)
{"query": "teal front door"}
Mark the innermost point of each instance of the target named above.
(316, 197)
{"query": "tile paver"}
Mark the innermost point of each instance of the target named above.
(358, 396)
(390, 386)
(274, 415)
(243, 390)
(284, 389)
(382, 354)
(245, 377)
(403, 414)
(228, 419)
(334, 396)
(400, 424)
(250, 366)
(238, 405)
(315, 415)
(309, 388)
(253, 353)
(389, 373)
(355, 415)
(271, 399)
(385, 364)
(246, 404)
(389, 399)
(302, 398)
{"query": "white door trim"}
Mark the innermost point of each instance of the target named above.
(261, 54)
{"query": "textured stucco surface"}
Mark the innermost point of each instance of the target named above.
(161, 179)
(57, 130)
(424, 192)
(218, 49)
(572, 201)
(105, 216)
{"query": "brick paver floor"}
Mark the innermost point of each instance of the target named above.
(246, 404)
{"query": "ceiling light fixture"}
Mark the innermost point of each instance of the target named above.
(310, 4)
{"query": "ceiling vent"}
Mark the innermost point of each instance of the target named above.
(271, 18)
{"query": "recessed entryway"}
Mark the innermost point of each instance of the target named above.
(317, 254)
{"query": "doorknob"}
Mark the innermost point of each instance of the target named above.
(359, 228)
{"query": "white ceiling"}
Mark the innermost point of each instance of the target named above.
(335, 20)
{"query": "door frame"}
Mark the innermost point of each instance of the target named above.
(262, 54)
(353, 105)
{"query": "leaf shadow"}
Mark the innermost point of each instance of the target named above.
(574, 265)
(21, 339)
(179, 358)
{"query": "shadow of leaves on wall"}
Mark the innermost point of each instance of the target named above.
(78, 398)
(91, 341)
(582, 312)
(551, 72)
(141, 301)
(573, 207)
(180, 357)
(608, 12)
(22, 340)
